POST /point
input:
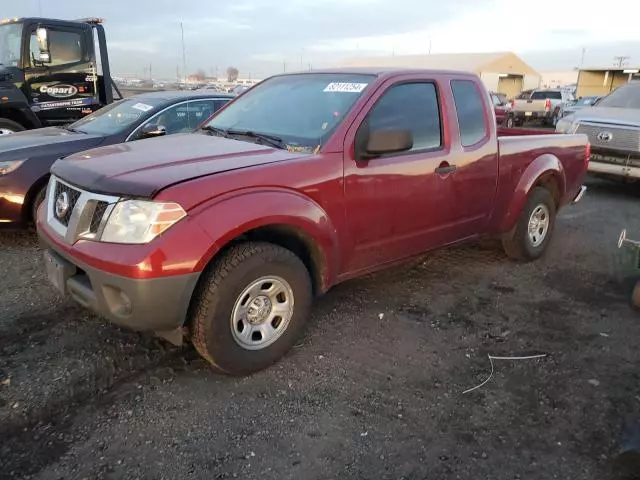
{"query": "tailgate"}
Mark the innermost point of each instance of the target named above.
(530, 106)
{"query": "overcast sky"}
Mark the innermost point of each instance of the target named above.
(262, 37)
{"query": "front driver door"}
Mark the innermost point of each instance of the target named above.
(397, 205)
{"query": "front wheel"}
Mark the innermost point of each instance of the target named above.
(9, 126)
(529, 239)
(250, 308)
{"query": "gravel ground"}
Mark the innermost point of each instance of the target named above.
(374, 389)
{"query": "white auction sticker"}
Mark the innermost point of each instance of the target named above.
(142, 106)
(345, 87)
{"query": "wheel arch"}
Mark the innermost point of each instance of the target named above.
(545, 171)
(281, 217)
(30, 197)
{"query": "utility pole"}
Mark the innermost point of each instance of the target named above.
(429, 46)
(184, 55)
(150, 74)
(582, 58)
(284, 66)
(301, 56)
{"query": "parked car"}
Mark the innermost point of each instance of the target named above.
(542, 105)
(26, 157)
(613, 128)
(302, 182)
(580, 103)
(623, 241)
(502, 109)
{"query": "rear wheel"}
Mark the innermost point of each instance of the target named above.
(635, 297)
(9, 126)
(509, 122)
(251, 306)
(529, 239)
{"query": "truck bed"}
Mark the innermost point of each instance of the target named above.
(519, 149)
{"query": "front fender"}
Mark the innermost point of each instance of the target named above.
(542, 166)
(227, 218)
(13, 99)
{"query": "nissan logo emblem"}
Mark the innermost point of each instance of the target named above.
(605, 136)
(62, 204)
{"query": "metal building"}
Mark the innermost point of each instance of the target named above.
(600, 81)
(502, 72)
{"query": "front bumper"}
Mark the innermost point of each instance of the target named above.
(613, 169)
(158, 304)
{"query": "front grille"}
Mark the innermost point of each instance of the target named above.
(96, 218)
(622, 138)
(64, 201)
(84, 213)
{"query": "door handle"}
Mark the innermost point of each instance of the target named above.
(445, 169)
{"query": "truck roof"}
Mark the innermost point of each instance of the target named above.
(90, 21)
(382, 71)
(170, 95)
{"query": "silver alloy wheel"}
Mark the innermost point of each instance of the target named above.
(538, 225)
(262, 313)
(5, 131)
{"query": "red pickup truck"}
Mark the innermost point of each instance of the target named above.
(225, 235)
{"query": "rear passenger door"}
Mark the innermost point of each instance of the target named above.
(398, 204)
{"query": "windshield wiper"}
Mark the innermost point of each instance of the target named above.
(272, 140)
(74, 130)
(218, 131)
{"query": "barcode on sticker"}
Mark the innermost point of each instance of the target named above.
(345, 87)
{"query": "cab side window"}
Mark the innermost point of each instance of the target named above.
(413, 107)
(470, 109)
(65, 48)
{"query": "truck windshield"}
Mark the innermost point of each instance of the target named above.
(10, 41)
(627, 96)
(301, 109)
(117, 117)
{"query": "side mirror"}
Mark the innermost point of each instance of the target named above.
(151, 131)
(381, 142)
(43, 43)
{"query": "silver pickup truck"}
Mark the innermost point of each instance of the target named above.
(544, 105)
(613, 128)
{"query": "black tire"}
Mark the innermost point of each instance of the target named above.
(219, 290)
(509, 122)
(6, 124)
(37, 200)
(635, 296)
(518, 244)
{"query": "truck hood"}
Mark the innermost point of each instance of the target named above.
(616, 116)
(144, 167)
(48, 141)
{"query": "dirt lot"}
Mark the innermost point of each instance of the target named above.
(374, 390)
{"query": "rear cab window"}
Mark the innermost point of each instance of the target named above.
(543, 95)
(469, 105)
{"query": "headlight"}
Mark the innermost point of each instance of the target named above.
(139, 221)
(566, 124)
(9, 166)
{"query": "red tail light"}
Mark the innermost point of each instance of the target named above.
(587, 153)
(547, 104)
(513, 103)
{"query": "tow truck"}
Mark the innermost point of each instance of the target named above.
(52, 72)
